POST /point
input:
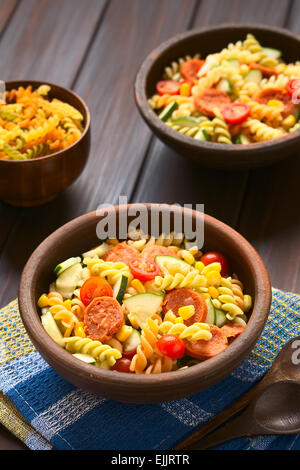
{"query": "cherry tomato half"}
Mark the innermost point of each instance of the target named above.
(123, 365)
(168, 87)
(95, 287)
(171, 346)
(143, 270)
(214, 257)
(235, 113)
(292, 86)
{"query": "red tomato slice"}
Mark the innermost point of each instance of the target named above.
(143, 270)
(292, 86)
(168, 87)
(235, 113)
(122, 365)
(171, 346)
(95, 287)
(190, 69)
(214, 257)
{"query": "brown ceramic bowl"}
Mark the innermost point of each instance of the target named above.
(79, 235)
(34, 182)
(207, 41)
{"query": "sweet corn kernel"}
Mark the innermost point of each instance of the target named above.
(179, 320)
(79, 330)
(185, 89)
(275, 103)
(133, 321)
(206, 296)
(213, 292)
(68, 304)
(199, 266)
(186, 312)
(43, 301)
(214, 278)
(138, 286)
(244, 68)
(215, 267)
(289, 121)
(123, 333)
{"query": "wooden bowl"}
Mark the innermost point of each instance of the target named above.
(207, 41)
(79, 235)
(34, 182)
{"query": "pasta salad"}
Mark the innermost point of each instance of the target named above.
(145, 306)
(32, 125)
(243, 94)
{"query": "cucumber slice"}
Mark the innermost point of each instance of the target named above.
(65, 265)
(253, 76)
(224, 85)
(272, 53)
(98, 251)
(132, 341)
(85, 358)
(211, 314)
(172, 264)
(202, 135)
(167, 112)
(242, 139)
(234, 63)
(187, 121)
(67, 282)
(143, 306)
(52, 329)
(120, 288)
(220, 318)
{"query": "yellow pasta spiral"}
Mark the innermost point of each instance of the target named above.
(261, 131)
(192, 279)
(108, 269)
(221, 131)
(101, 352)
(147, 347)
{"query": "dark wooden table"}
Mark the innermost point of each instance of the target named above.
(95, 47)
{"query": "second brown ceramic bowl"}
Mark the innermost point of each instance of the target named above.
(34, 182)
(79, 235)
(207, 41)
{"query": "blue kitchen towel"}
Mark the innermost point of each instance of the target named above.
(60, 416)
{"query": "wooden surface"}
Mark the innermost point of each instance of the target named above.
(96, 48)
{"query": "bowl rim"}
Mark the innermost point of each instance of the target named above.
(42, 341)
(59, 152)
(153, 120)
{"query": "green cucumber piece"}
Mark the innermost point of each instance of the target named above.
(253, 76)
(242, 139)
(187, 121)
(272, 53)
(224, 85)
(220, 318)
(132, 342)
(167, 112)
(67, 282)
(234, 63)
(202, 135)
(210, 63)
(143, 306)
(85, 358)
(211, 314)
(60, 268)
(172, 264)
(52, 329)
(120, 288)
(98, 251)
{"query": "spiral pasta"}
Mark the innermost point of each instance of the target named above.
(193, 280)
(101, 352)
(110, 270)
(261, 131)
(32, 125)
(221, 131)
(147, 347)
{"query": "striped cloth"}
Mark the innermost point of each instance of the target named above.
(46, 412)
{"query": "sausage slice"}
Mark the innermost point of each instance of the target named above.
(184, 296)
(203, 350)
(103, 317)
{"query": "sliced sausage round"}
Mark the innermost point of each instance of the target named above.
(182, 297)
(190, 69)
(150, 252)
(103, 317)
(121, 253)
(232, 331)
(203, 350)
(268, 94)
(210, 99)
